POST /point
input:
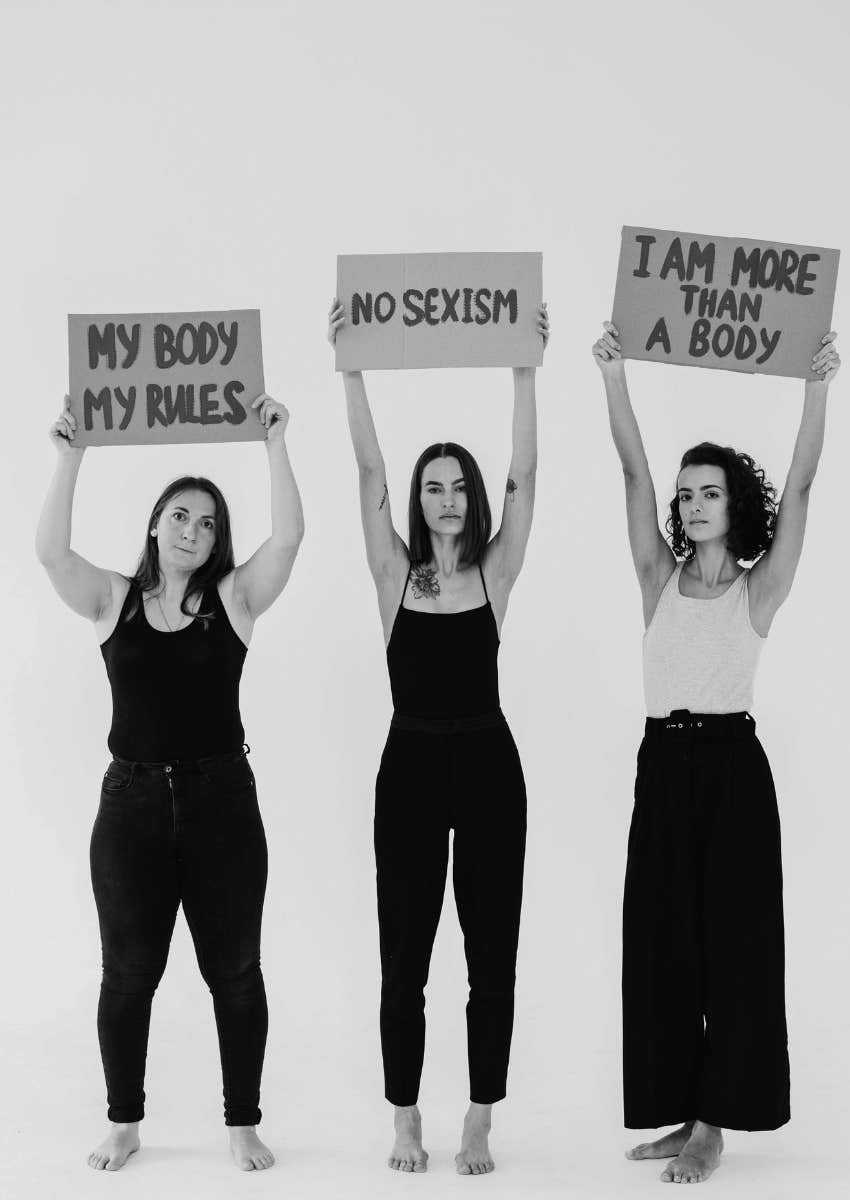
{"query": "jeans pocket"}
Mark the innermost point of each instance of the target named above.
(234, 775)
(118, 778)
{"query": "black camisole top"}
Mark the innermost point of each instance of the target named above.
(175, 696)
(444, 665)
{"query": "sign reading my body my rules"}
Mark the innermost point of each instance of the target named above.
(155, 378)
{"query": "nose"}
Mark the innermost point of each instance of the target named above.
(189, 533)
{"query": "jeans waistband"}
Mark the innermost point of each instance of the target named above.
(711, 726)
(448, 724)
(187, 766)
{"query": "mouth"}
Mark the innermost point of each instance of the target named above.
(450, 517)
(698, 522)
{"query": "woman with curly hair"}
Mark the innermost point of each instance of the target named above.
(704, 1036)
(450, 762)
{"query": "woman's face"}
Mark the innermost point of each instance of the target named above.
(703, 502)
(442, 495)
(185, 531)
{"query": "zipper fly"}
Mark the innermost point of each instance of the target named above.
(170, 779)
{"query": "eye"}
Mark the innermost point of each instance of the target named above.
(461, 487)
(178, 516)
(208, 524)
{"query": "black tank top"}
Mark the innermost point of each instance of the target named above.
(174, 695)
(444, 665)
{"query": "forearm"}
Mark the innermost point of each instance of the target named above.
(524, 427)
(364, 439)
(53, 536)
(286, 511)
(809, 444)
(624, 427)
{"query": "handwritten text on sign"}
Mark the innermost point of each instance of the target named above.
(165, 377)
(439, 310)
(723, 302)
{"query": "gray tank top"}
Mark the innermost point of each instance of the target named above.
(700, 654)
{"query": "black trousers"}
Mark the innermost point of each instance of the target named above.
(167, 833)
(435, 777)
(704, 1033)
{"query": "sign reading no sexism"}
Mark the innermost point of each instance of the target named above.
(723, 302)
(165, 377)
(439, 310)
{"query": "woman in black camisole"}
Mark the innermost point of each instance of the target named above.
(450, 762)
(178, 820)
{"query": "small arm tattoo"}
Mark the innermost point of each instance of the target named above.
(425, 583)
(511, 488)
(383, 498)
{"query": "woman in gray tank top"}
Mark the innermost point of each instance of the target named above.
(704, 1035)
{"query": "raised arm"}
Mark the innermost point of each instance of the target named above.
(505, 555)
(258, 582)
(771, 578)
(654, 560)
(85, 588)
(386, 553)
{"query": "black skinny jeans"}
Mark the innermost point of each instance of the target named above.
(430, 783)
(166, 834)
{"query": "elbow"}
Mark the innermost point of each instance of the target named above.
(369, 468)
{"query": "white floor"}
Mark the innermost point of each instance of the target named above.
(337, 1148)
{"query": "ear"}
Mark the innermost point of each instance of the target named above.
(153, 533)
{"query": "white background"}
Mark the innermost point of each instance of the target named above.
(178, 155)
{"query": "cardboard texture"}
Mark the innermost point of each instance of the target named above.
(439, 310)
(733, 303)
(157, 378)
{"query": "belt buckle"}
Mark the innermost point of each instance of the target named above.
(680, 718)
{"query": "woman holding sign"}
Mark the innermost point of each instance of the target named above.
(704, 1037)
(450, 762)
(178, 820)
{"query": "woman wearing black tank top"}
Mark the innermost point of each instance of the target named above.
(704, 1032)
(178, 820)
(450, 762)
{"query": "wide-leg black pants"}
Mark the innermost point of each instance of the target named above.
(436, 777)
(704, 1033)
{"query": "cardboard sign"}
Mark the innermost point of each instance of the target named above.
(723, 302)
(139, 378)
(439, 310)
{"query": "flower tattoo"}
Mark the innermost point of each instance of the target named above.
(425, 583)
(511, 488)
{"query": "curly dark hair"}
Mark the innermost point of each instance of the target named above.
(752, 503)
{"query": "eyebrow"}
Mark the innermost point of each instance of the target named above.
(683, 487)
(182, 508)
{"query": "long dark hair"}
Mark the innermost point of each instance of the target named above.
(752, 503)
(476, 527)
(219, 563)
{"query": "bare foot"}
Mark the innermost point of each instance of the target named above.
(116, 1148)
(671, 1143)
(407, 1153)
(249, 1153)
(473, 1157)
(698, 1158)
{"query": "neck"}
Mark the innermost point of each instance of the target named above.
(445, 552)
(712, 562)
(172, 584)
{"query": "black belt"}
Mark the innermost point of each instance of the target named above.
(448, 724)
(681, 722)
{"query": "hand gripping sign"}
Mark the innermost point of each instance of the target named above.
(733, 303)
(439, 310)
(155, 378)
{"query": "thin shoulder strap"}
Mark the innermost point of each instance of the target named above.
(404, 589)
(483, 584)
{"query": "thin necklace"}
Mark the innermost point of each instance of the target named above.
(165, 618)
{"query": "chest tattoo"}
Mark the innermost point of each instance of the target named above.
(425, 583)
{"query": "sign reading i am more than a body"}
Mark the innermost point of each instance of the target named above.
(156, 378)
(439, 310)
(733, 303)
